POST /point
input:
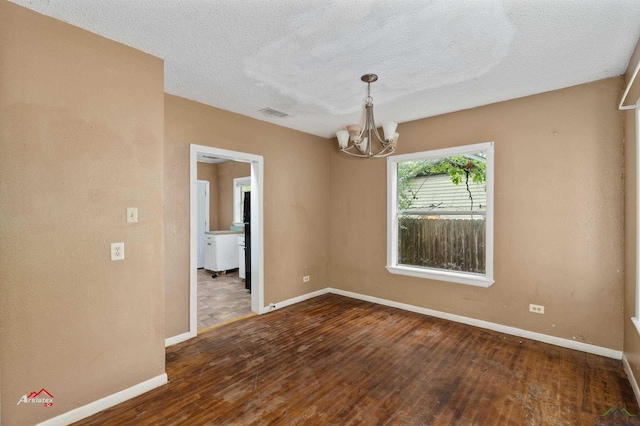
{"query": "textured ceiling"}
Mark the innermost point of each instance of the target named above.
(305, 57)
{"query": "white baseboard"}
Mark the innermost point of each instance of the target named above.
(106, 402)
(294, 300)
(532, 335)
(170, 341)
(558, 341)
(631, 377)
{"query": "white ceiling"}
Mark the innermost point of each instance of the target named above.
(305, 57)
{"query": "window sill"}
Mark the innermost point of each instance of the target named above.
(454, 277)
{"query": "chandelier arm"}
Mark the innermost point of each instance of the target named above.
(369, 130)
(387, 150)
(366, 122)
(384, 152)
(346, 151)
(373, 127)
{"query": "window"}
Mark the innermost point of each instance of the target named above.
(240, 186)
(440, 214)
(636, 318)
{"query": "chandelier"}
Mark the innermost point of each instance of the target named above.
(358, 140)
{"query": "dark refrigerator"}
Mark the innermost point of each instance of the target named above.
(247, 240)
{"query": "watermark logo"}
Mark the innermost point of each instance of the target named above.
(40, 397)
(617, 416)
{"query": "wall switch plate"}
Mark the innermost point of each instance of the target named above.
(117, 251)
(132, 214)
(306, 279)
(538, 309)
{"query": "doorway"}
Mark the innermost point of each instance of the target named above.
(257, 254)
(223, 286)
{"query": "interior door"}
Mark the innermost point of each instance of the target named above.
(203, 218)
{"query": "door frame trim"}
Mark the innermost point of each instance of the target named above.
(257, 231)
(207, 195)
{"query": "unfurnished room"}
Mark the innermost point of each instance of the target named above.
(340, 212)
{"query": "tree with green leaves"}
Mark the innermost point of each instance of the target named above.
(460, 168)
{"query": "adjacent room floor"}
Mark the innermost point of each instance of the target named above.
(333, 360)
(221, 299)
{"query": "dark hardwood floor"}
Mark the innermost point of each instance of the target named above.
(337, 361)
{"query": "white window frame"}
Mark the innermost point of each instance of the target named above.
(636, 318)
(238, 183)
(479, 280)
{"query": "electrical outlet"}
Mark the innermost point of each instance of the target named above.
(538, 309)
(132, 214)
(306, 279)
(117, 251)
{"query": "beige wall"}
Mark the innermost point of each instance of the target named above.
(81, 139)
(220, 177)
(209, 172)
(227, 172)
(296, 201)
(631, 336)
(558, 215)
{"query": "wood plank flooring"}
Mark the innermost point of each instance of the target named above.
(337, 361)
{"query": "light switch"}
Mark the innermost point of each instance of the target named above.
(132, 214)
(117, 251)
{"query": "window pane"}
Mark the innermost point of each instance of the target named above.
(243, 189)
(441, 213)
(442, 242)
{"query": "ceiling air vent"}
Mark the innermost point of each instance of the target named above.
(273, 112)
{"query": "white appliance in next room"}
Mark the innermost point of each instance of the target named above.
(241, 256)
(221, 250)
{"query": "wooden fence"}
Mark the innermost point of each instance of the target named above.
(452, 244)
